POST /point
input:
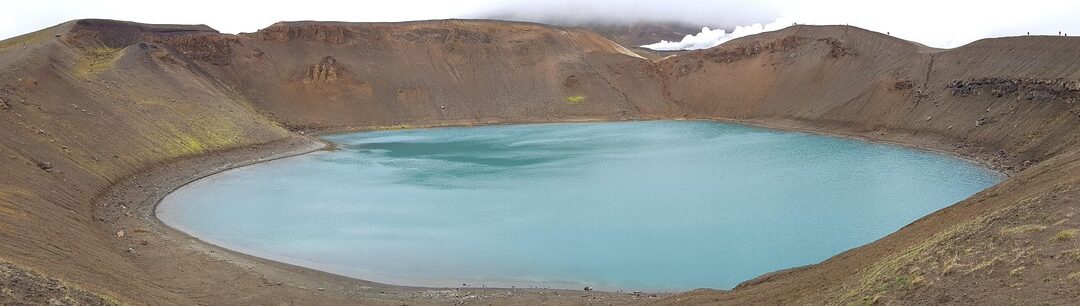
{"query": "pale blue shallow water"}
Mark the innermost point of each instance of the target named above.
(657, 205)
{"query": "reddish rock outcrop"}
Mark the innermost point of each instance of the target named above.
(326, 71)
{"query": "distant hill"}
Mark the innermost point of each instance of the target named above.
(90, 106)
(631, 33)
(642, 33)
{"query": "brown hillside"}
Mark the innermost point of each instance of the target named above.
(332, 75)
(81, 111)
(642, 33)
(101, 118)
(89, 103)
(1010, 102)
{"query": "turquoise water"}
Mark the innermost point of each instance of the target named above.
(657, 205)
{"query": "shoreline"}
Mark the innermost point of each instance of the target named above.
(291, 147)
(130, 206)
(983, 160)
(94, 136)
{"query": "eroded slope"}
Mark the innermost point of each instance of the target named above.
(326, 75)
(82, 110)
(89, 103)
(1009, 102)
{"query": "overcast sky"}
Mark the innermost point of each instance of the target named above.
(938, 23)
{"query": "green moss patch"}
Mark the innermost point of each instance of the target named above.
(1027, 228)
(1066, 235)
(96, 60)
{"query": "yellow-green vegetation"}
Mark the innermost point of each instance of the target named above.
(32, 38)
(106, 298)
(1074, 275)
(877, 277)
(1066, 235)
(1027, 228)
(884, 274)
(950, 264)
(394, 127)
(1017, 271)
(575, 100)
(895, 284)
(22, 40)
(206, 130)
(984, 264)
(177, 143)
(96, 59)
(202, 136)
(192, 144)
(903, 282)
(1071, 255)
(867, 301)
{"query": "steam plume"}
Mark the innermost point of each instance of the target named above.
(709, 38)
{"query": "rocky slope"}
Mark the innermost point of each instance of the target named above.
(641, 33)
(1013, 103)
(87, 105)
(83, 109)
(327, 75)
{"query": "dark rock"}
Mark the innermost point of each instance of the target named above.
(325, 33)
(1024, 89)
(213, 49)
(571, 81)
(45, 166)
(1072, 86)
(837, 47)
(734, 54)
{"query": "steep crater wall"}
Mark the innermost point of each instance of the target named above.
(90, 103)
(333, 75)
(1008, 102)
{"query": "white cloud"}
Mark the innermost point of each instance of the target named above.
(933, 22)
(19, 17)
(709, 38)
(722, 13)
(943, 24)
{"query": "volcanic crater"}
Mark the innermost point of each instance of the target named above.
(101, 119)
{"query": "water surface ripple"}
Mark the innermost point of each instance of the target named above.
(657, 205)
